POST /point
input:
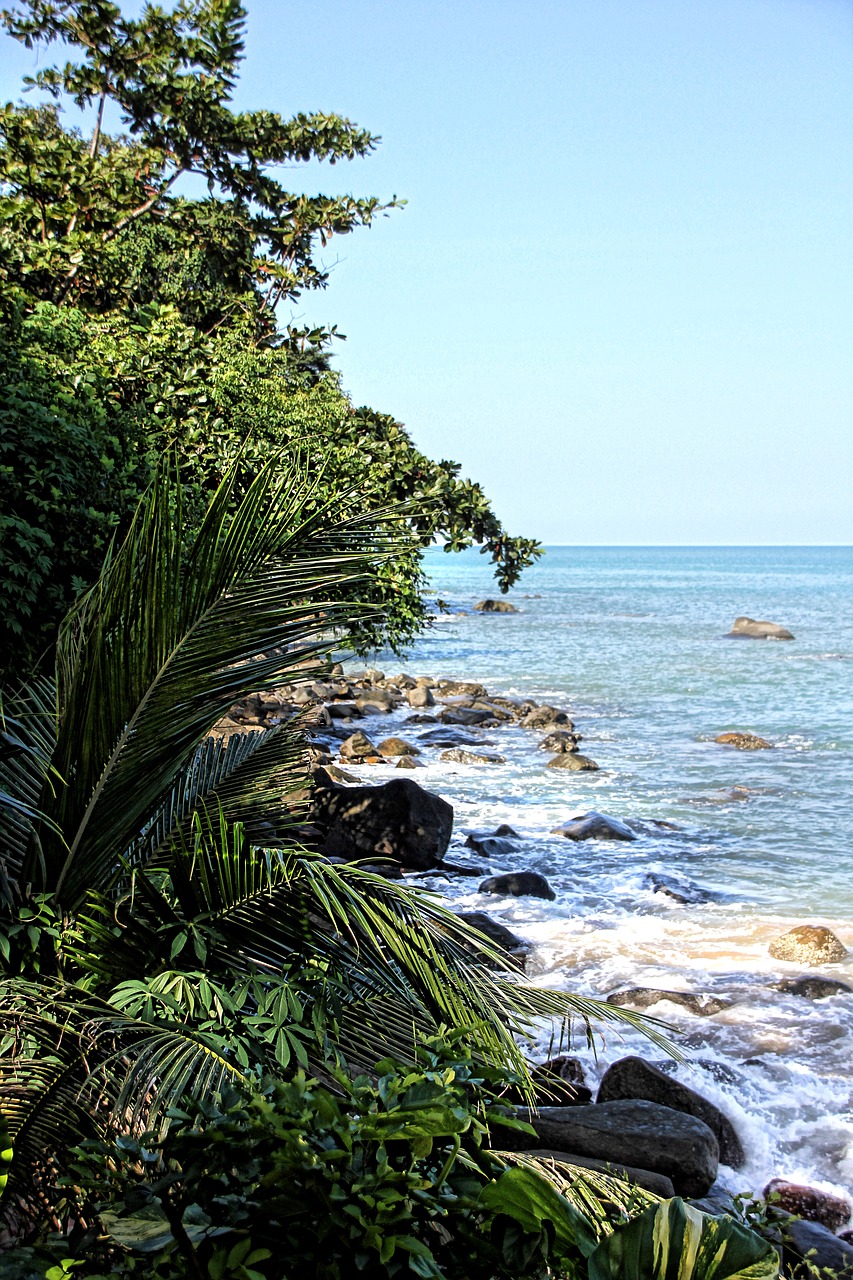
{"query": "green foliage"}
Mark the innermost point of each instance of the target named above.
(137, 319)
(674, 1241)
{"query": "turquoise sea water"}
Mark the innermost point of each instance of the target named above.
(630, 642)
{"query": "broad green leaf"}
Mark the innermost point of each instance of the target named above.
(674, 1241)
(521, 1193)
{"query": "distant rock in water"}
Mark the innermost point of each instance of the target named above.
(683, 891)
(810, 944)
(495, 606)
(595, 826)
(744, 741)
(519, 884)
(749, 629)
(459, 755)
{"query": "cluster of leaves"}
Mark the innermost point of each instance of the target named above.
(137, 319)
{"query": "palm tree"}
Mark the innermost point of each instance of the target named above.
(193, 949)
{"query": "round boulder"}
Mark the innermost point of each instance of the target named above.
(495, 606)
(519, 884)
(744, 741)
(573, 761)
(357, 747)
(397, 747)
(595, 826)
(810, 944)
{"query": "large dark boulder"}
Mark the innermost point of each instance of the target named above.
(498, 933)
(635, 1078)
(828, 1257)
(519, 884)
(397, 820)
(643, 1135)
(491, 846)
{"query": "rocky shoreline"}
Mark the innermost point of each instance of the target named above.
(643, 1123)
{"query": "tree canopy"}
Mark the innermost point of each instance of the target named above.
(138, 316)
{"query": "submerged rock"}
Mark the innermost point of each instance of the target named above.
(812, 988)
(809, 944)
(519, 884)
(595, 826)
(744, 741)
(560, 740)
(644, 997)
(573, 761)
(458, 755)
(635, 1078)
(683, 891)
(748, 629)
(491, 846)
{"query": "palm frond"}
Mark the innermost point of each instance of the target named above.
(154, 655)
(27, 742)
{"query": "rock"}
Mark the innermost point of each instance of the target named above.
(645, 997)
(397, 820)
(643, 1134)
(808, 944)
(491, 846)
(595, 826)
(543, 717)
(497, 933)
(573, 761)
(343, 710)
(462, 689)
(458, 755)
(749, 629)
(809, 1202)
(452, 737)
(519, 884)
(744, 741)
(635, 1078)
(420, 696)
(397, 747)
(683, 891)
(357, 747)
(828, 1257)
(457, 869)
(560, 1081)
(406, 762)
(495, 606)
(386, 698)
(657, 1183)
(425, 682)
(560, 740)
(465, 715)
(812, 988)
(504, 829)
(421, 719)
(340, 775)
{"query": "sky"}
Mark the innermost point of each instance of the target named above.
(621, 291)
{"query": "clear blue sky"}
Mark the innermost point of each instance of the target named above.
(620, 294)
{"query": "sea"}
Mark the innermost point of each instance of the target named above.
(630, 641)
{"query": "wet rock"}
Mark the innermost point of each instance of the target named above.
(643, 1134)
(340, 775)
(519, 884)
(808, 944)
(495, 606)
(744, 741)
(560, 740)
(398, 820)
(504, 829)
(343, 710)
(491, 846)
(407, 762)
(497, 933)
(458, 755)
(457, 869)
(812, 988)
(633, 1077)
(748, 629)
(657, 1183)
(595, 826)
(357, 747)
(808, 1202)
(462, 689)
(544, 717)
(561, 1082)
(386, 698)
(683, 891)
(644, 997)
(420, 696)
(573, 761)
(396, 747)
(465, 715)
(421, 719)
(828, 1257)
(450, 736)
